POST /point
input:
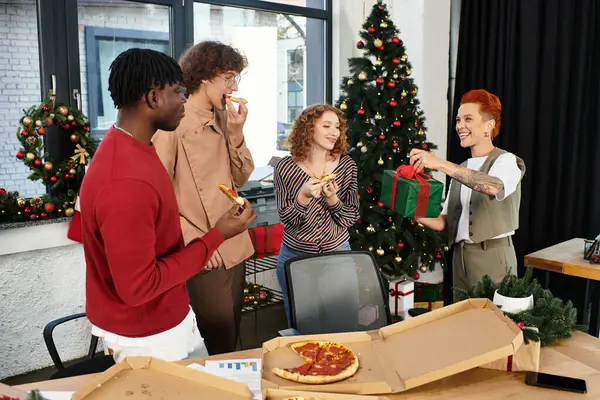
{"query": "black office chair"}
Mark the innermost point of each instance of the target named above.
(335, 292)
(91, 365)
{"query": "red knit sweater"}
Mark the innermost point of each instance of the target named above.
(137, 264)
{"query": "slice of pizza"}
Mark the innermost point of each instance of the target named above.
(326, 178)
(326, 362)
(238, 100)
(233, 196)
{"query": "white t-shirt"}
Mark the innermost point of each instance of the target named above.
(504, 168)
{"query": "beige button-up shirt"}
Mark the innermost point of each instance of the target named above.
(197, 159)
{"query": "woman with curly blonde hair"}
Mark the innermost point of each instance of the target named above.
(316, 212)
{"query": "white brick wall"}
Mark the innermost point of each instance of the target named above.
(19, 88)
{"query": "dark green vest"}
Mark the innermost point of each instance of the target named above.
(488, 217)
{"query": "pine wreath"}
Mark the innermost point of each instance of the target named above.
(62, 177)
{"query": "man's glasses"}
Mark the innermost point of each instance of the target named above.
(231, 79)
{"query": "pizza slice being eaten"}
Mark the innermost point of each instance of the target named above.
(233, 196)
(325, 362)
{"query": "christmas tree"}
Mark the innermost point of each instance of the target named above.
(385, 123)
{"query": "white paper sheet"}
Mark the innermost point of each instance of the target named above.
(247, 371)
(57, 395)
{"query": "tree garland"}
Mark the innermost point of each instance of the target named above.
(62, 178)
(554, 319)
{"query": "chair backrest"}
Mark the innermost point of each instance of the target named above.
(340, 291)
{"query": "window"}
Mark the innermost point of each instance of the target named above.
(286, 58)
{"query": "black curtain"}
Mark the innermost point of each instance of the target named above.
(542, 58)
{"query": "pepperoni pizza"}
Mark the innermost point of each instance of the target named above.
(325, 362)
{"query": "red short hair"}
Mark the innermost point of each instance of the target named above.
(489, 106)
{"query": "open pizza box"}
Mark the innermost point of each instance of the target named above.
(145, 377)
(12, 392)
(411, 353)
(279, 394)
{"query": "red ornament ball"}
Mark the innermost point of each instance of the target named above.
(246, 300)
(424, 146)
(396, 60)
(437, 256)
(395, 144)
(45, 108)
(416, 125)
(41, 131)
(391, 84)
(85, 128)
(49, 122)
(381, 8)
(53, 179)
(380, 204)
(401, 244)
(371, 29)
(417, 277)
(396, 40)
(49, 207)
(393, 103)
(361, 111)
(24, 133)
(20, 155)
(37, 163)
(382, 137)
(379, 81)
(382, 48)
(520, 325)
(360, 44)
(396, 123)
(27, 211)
(43, 215)
(74, 124)
(66, 126)
(33, 217)
(369, 190)
(68, 176)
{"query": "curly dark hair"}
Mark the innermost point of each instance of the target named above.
(300, 140)
(206, 60)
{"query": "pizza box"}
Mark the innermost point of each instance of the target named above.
(279, 394)
(410, 353)
(12, 392)
(145, 377)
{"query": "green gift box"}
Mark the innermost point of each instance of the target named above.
(411, 197)
(428, 293)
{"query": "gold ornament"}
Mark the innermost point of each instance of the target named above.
(30, 156)
(70, 118)
(62, 110)
(343, 106)
(69, 212)
(414, 90)
(378, 116)
(80, 154)
(370, 229)
(359, 144)
(362, 76)
(31, 140)
(423, 268)
(445, 248)
(377, 43)
(403, 94)
(421, 132)
(255, 303)
(380, 252)
(364, 149)
(74, 138)
(393, 227)
(350, 82)
(246, 291)
(371, 248)
(395, 76)
(398, 259)
(383, 24)
(420, 225)
(48, 166)
(408, 71)
(38, 123)
(36, 202)
(27, 121)
(21, 202)
(404, 57)
(72, 171)
(380, 162)
(378, 62)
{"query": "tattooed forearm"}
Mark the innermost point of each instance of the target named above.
(478, 181)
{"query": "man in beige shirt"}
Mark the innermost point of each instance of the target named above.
(207, 149)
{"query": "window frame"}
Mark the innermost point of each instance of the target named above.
(93, 35)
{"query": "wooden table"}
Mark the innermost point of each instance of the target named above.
(578, 357)
(567, 258)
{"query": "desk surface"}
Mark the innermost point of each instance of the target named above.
(565, 258)
(578, 357)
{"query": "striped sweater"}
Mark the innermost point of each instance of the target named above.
(316, 227)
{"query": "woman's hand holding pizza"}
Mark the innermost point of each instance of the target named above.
(310, 190)
(329, 191)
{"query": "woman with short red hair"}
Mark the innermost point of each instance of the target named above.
(481, 212)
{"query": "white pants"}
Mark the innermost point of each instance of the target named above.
(178, 343)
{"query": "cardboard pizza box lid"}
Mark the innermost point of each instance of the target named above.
(139, 378)
(6, 390)
(411, 353)
(279, 394)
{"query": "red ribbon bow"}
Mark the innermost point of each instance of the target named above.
(394, 292)
(408, 172)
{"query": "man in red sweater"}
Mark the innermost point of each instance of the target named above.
(137, 264)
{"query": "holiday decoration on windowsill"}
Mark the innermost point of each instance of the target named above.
(62, 177)
(410, 194)
(256, 296)
(553, 318)
(384, 123)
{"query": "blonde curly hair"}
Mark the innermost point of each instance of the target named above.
(300, 141)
